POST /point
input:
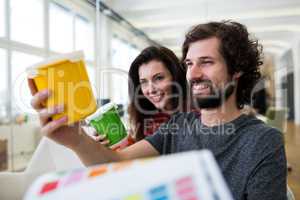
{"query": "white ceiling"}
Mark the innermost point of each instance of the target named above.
(276, 23)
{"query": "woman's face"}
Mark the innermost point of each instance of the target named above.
(156, 84)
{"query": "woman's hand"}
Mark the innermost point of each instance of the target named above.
(101, 138)
(56, 130)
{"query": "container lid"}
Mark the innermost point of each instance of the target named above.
(73, 57)
(100, 111)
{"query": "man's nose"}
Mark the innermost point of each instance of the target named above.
(194, 72)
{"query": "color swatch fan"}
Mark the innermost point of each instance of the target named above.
(185, 176)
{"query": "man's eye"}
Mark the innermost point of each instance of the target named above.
(207, 62)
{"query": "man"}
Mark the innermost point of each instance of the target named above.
(222, 68)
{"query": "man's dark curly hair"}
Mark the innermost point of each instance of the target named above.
(241, 53)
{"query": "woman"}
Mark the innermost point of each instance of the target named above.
(157, 89)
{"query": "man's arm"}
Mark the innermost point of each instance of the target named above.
(268, 180)
(91, 152)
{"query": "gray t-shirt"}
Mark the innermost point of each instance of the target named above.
(250, 154)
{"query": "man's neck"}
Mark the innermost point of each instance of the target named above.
(225, 113)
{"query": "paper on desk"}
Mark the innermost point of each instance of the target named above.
(193, 175)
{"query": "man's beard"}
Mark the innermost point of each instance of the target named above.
(216, 97)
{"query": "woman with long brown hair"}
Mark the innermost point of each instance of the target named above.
(157, 89)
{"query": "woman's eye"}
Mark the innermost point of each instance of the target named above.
(159, 78)
(188, 64)
(143, 82)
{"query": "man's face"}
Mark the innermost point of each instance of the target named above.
(207, 74)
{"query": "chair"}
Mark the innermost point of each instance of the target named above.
(48, 157)
(290, 195)
(276, 117)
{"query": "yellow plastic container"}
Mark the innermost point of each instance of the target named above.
(67, 79)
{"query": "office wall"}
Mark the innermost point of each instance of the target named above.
(287, 65)
(296, 61)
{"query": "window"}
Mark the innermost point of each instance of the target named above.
(119, 87)
(21, 93)
(122, 56)
(27, 22)
(61, 28)
(68, 30)
(84, 34)
(2, 18)
(3, 74)
(133, 53)
(91, 73)
(3, 83)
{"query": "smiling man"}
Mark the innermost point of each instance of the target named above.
(222, 68)
(222, 64)
(211, 84)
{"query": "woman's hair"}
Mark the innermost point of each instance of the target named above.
(140, 108)
(241, 53)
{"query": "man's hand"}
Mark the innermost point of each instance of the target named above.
(56, 130)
